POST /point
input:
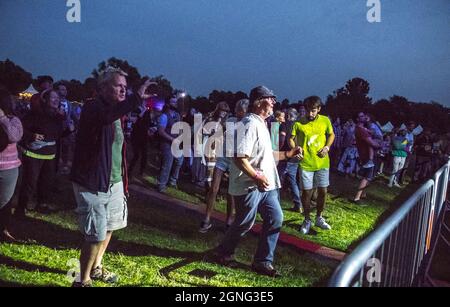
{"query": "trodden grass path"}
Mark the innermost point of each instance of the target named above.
(350, 222)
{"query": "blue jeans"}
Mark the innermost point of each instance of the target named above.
(288, 171)
(247, 206)
(170, 167)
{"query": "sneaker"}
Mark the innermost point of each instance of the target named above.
(369, 164)
(321, 223)
(265, 269)
(162, 190)
(77, 284)
(102, 274)
(397, 185)
(204, 227)
(305, 227)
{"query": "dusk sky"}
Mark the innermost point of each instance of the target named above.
(296, 47)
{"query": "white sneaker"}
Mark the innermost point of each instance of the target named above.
(397, 185)
(321, 223)
(305, 227)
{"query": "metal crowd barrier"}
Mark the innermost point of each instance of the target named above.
(397, 254)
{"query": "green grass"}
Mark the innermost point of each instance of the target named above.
(160, 247)
(350, 223)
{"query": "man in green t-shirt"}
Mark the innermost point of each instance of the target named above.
(313, 133)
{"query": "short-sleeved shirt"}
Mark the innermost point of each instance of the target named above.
(286, 128)
(311, 136)
(364, 148)
(255, 143)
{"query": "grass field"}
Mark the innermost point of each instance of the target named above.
(160, 247)
(350, 223)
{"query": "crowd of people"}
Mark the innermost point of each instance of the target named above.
(259, 149)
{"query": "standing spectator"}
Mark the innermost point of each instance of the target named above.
(67, 143)
(288, 170)
(384, 153)
(139, 140)
(336, 149)
(301, 111)
(349, 159)
(170, 165)
(99, 172)
(222, 166)
(348, 135)
(366, 147)
(409, 150)
(314, 135)
(377, 136)
(10, 133)
(43, 83)
(424, 154)
(399, 145)
(275, 132)
(213, 124)
(43, 128)
(254, 183)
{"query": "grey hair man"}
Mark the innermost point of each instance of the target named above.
(254, 184)
(99, 172)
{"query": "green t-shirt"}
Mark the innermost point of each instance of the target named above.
(116, 169)
(275, 136)
(311, 136)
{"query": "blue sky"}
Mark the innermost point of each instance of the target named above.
(296, 47)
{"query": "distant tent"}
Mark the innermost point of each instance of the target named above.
(28, 93)
(30, 90)
(388, 127)
(418, 130)
(403, 127)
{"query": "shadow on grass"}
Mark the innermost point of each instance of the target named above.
(25, 266)
(10, 284)
(43, 233)
(400, 199)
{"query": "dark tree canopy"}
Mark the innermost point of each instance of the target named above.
(134, 77)
(347, 101)
(13, 77)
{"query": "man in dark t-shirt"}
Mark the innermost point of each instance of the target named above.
(288, 169)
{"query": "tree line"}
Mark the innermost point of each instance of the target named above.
(344, 103)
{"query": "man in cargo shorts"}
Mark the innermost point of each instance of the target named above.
(99, 172)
